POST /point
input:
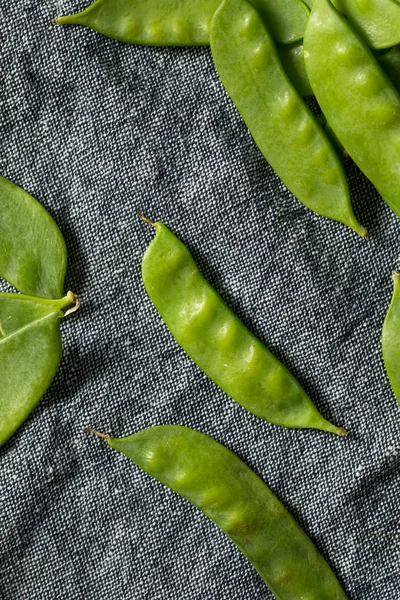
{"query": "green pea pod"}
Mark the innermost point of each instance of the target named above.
(282, 125)
(390, 63)
(218, 342)
(223, 487)
(341, 152)
(378, 21)
(391, 339)
(30, 351)
(292, 59)
(33, 257)
(358, 99)
(180, 22)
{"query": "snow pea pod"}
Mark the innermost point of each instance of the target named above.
(378, 21)
(282, 125)
(225, 489)
(37, 266)
(358, 99)
(30, 352)
(390, 63)
(180, 22)
(218, 342)
(292, 59)
(32, 257)
(391, 339)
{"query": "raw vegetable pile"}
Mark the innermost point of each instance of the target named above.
(268, 56)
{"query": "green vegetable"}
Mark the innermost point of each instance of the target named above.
(391, 339)
(361, 104)
(33, 258)
(218, 483)
(292, 59)
(180, 22)
(282, 125)
(218, 342)
(390, 63)
(378, 21)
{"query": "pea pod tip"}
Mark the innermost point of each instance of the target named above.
(105, 436)
(74, 300)
(67, 20)
(145, 219)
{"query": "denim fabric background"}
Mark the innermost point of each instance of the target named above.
(94, 129)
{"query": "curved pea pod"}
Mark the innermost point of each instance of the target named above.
(282, 125)
(223, 487)
(292, 59)
(218, 342)
(180, 22)
(390, 63)
(30, 352)
(358, 99)
(391, 339)
(33, 257)
(378, 21)
(341, 152)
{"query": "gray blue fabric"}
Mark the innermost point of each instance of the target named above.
(95, 129)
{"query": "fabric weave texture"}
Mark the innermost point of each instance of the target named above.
(94, 129)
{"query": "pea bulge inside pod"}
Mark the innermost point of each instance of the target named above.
(218, 342)
(225, 489)
(180, 22)
(360, 102)
(282, 125)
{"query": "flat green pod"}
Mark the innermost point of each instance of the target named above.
(30, 352)
(283, 127)
(292, 59)
(359, 101)
(218, 342)
(180, 22)
(391, 339)
(390, 63)
(378, 21)
(227, 491)
(33, 256)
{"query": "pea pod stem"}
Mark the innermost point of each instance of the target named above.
(73, 298)
(145, 219)
(104, 436)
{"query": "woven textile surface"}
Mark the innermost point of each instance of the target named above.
(94, 129)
